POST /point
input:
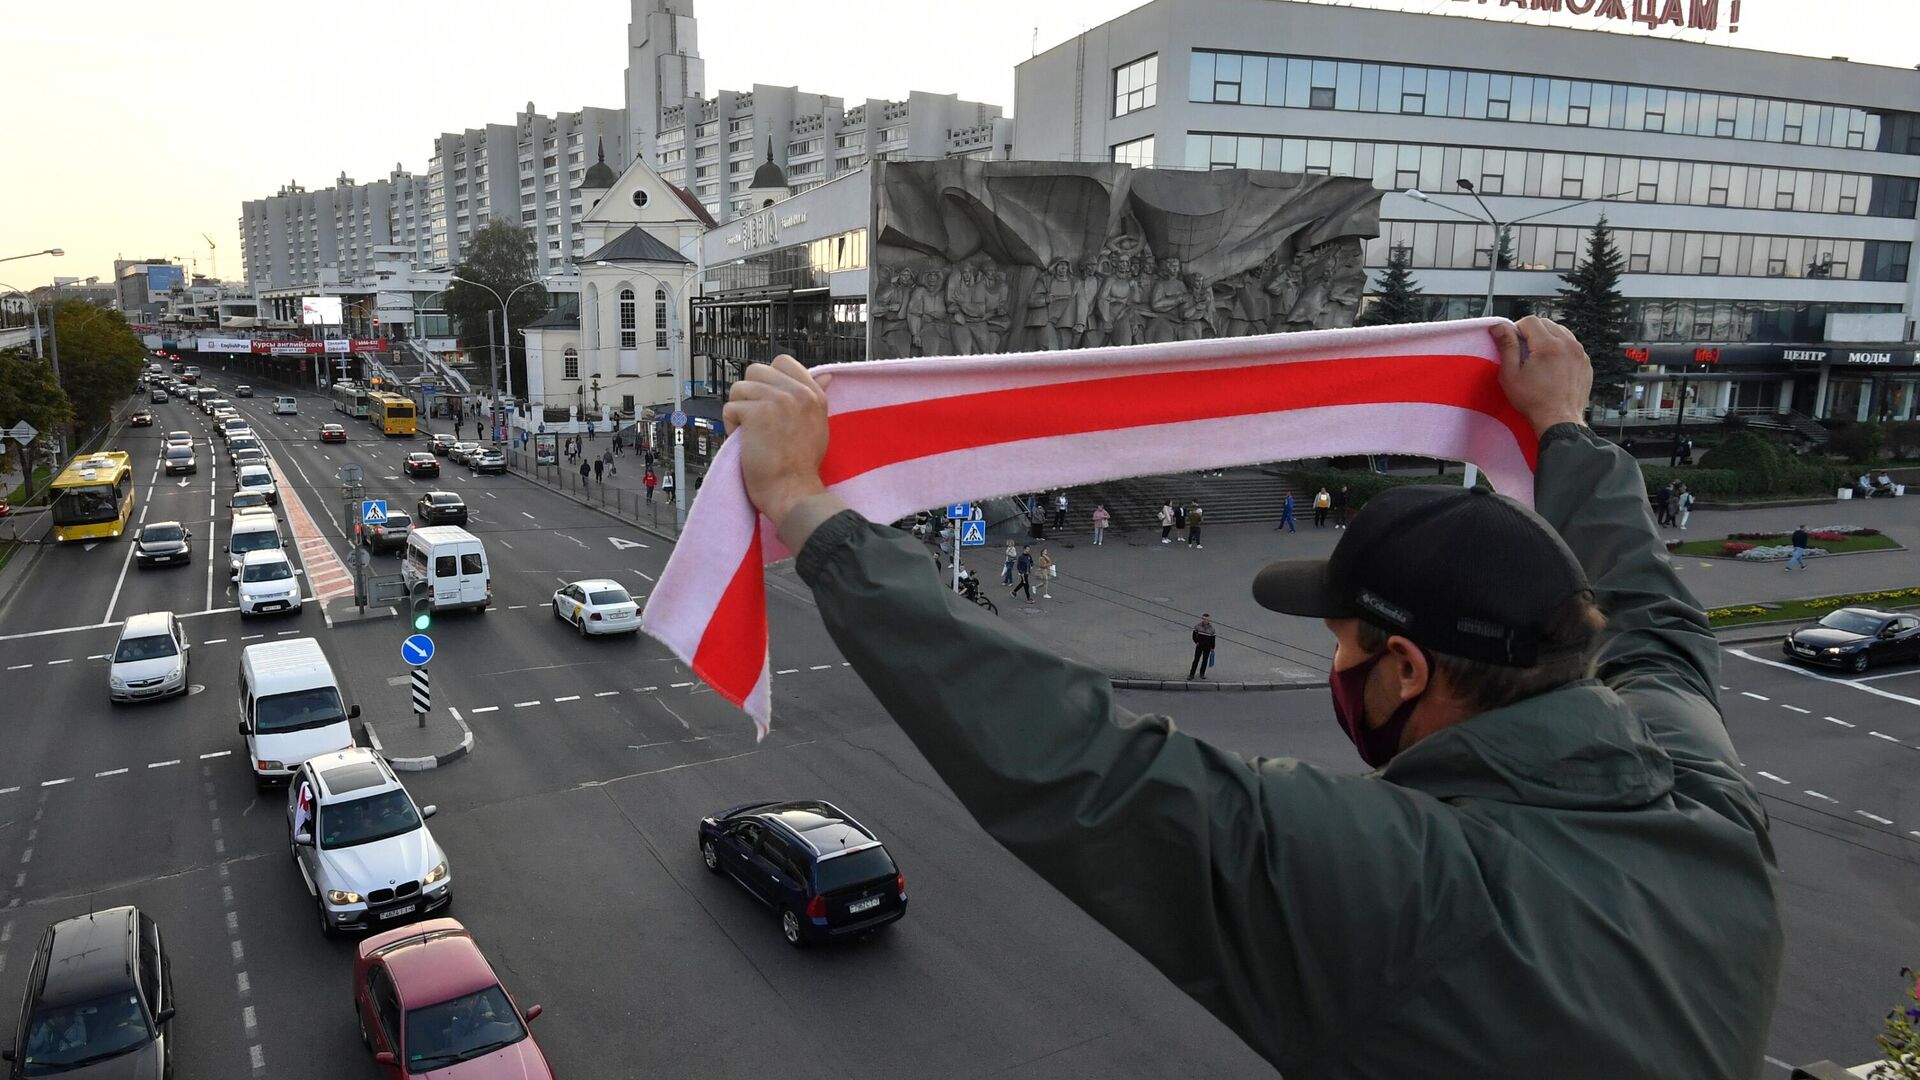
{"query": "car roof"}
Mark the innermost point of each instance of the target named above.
(356, 771)
(420, 453)
(818, 824)
(90, 956)
(597, 583)
(146, 624)
(444, 496)
(248, 470)
(436, 962)
(161, 525)
(264, 555)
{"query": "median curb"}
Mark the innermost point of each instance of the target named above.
(422, 764)
(1211, 685)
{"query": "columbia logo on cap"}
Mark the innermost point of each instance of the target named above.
(1394, 613)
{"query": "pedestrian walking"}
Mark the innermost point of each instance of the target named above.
(1195, 517)
(607, 457)
(1660, 496)
(1340, 507)
(1060, 511)
(599, 469)
(1023, 569)
(1799, 558)
(1101, 519)
(666, 486)
(1286, 515)
(590, 435)
(1686, 505)
(586, 471)
(456, 431)
(1322, 502)
(1048, 570)
(1006, 569)
(616, 444)
(1203, 641)
(649, 481)
(1166, 523)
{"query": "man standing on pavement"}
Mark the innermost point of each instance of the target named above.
(1203, 640)
(1195, 518)
(586, 471)
(1060, 511)
(1166, 522)
(1800, 543)
(1340, 508)
(599, 469)
(1286, 515)
(1322, 502)
(1556, 868)
(649, 481)
(1023, 569)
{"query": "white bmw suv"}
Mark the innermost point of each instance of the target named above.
(362, 845)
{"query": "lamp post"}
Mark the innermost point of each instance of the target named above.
(506, 334)
(1486, 217)
(35, 254)
(673, 342)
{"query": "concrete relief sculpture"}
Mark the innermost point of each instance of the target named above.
(984, 257)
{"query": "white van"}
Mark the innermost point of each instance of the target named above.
(454, 561)
(250, 532)
(285, 406)
(290, 707)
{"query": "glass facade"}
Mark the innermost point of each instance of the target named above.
(1235, 78)
(1136, 85)
(731, 332)
(1446, 245)
(1553, 174)
(1671, 319)
(1137, 153)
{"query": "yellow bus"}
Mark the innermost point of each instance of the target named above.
(390, 414)
(93, 497)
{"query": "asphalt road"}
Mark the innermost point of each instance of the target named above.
(570, 827)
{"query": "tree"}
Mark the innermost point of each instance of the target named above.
(501, 259)
(1504, 252)
(28, 392)
(1399, 299)
(1593, 309)
(100, 360)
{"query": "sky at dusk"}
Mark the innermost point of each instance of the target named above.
(133, 133)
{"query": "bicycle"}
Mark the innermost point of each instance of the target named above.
(980, 599)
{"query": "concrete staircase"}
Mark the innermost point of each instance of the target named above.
(1238, 497)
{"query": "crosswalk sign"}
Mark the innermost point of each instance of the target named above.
(973, 534)
(373, 511)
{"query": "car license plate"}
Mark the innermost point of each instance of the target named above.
(863, 905)
(399, 911)
(1803, 650)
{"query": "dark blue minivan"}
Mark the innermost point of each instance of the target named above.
(826, 874)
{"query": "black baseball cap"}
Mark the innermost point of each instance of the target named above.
(1463, 572)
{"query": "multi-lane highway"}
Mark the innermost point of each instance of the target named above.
(570, 828)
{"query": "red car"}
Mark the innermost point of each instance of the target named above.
(429, 1004)
(332, 433)
(143, 418)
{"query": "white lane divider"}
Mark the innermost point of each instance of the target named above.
(1754, 696)
(525, 704)
(1798, 709)
(1836, 720)
(1874, 817)
(1878, 735)
(1817, 795)
(1774, 778)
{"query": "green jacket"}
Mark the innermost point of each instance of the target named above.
(1577, 885)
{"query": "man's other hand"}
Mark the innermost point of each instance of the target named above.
(778, 415)
(1552, 383)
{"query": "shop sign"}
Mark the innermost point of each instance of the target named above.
(1651, 14)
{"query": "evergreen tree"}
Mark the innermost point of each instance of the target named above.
(500, 257)
(1399, 299)
(1593, 309)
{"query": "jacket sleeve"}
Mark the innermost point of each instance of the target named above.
(1279, 895)
(1660, 655)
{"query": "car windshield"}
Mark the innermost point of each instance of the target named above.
(254, 541)
(844, 870)
(247, 498)
(297, 710)
(68, 1036)
(179, 436)
(160, 534)
(397, 521)
(1851, 622)
(363, 821)
(179, 453)
(466, 1027)
(151, 647)
(608, 596)
(277, 570)
(259, 479)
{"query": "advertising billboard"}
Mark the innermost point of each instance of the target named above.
(226, 345)
(320, 311)
(164, 279)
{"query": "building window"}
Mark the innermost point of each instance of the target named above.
(1136, 85)
(628, 323)
(659, 318)
(571, 360)
(1137, 153)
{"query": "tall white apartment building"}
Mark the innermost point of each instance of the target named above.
(288, 237)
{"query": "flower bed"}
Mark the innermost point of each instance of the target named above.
(1775, 546)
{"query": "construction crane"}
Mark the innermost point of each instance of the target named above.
(213, 257)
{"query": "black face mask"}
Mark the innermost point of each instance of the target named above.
(1376, 745)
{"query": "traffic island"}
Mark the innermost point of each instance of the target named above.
(411, 747)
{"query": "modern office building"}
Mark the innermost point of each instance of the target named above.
(1765, 203)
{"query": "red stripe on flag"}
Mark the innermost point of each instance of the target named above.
(869, 439)
(731, 660)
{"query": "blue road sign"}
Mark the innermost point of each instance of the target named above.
(973, 534)
(678, 419)
(428, 390)
(373, 511)
(417, 649)
(955, 511)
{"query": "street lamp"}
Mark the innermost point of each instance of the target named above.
(1486, 217)
(35, 254)
(673, 339)
(506, 336)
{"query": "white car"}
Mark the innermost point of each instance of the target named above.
(268, 582)
(179, 438)
(258, 478)
(150, 659)
(460, 451)
(597, 606)
(362, 845)
(285, 406)
(234, 425)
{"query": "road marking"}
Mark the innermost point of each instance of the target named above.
(642, 573)
(68, 660)
(1773, 778)
(515, 607)
(9, 790)
(56, 783)
(678, 685)
(1874, 817)
(162, 764)
(787, 671)
(524, 704)
(19, 667)
(1837, 720)
(606, 693)
(215, 641)
(1798, 709)
(252, 637)
(284, 633)
(528, 516)
(489, 494)
(98, 656)
(558, 700)
(1805, 674)
(1878, 735)
(215, 754)
(645, 689)
(109, 772)
(1817, 795)
(114, 600)
(819, 667)
(1754, 696)
(486, 708)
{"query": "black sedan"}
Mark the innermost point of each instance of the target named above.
(421, 463)
(1855, 639)
(160, 543)
(441, 508)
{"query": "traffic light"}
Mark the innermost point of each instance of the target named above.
(421, 598)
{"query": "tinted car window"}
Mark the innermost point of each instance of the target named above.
(160, 533)
(470, 563)
(298, 709)
(144, 648)
(782, 856)
(254, 541)
(443, 566)
(446, 500)
(844, 870)
(609, 596)
(385, 1001)
(363, 821)
(63, 1036)
(179, 453)
(267, 571)
(442, 1035)
(397, 520)
(1852, 622)
(150, 962)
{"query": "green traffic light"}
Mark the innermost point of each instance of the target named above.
(422, 621)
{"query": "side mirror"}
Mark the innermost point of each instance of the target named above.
(428, 811)
(228, 548)
(534, 1013)
(298, 572)
(304, 839)
(385, 1057)
(353, 712)
(163, 1015)
(243, 728)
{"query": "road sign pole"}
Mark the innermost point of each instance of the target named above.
(422, 695)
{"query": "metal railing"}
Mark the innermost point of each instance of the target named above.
(655, 515)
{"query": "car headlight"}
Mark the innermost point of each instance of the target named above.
(341, 896)
(264, 765)
(118, 683)
(175, 673)
(438, 873)
(1835, 651)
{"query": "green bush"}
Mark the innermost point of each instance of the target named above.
(1745, 452)
(1787, 480)
(1903, 438)
(1861, 442)
(1361, 484)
